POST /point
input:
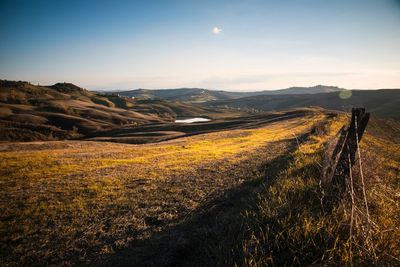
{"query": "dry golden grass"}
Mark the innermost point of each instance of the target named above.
(291, 226)
(73, 201)
(288, 224)
(380, 156)
(238, 197)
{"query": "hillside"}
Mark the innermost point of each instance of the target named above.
(196, 95)
(60, 111)
(200, 95)
(382, 103)
(303, 90)
(157, 132)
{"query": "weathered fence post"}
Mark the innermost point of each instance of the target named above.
(344, 154)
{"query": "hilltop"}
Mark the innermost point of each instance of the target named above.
(304, 90)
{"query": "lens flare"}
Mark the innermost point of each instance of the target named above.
(346, 94)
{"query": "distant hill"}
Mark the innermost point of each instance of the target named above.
(382, 103)
(199, 95)
(195, 95)
(64, 110)
(303, 90)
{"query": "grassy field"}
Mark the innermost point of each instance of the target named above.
(297, 221)
(285, 216)
(76, 201)
(247, 196)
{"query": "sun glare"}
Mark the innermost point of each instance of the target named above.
(217, 30)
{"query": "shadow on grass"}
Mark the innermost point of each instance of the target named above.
(212, 235)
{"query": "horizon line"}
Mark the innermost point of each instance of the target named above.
(90, 88)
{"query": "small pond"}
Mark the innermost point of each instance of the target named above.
(191, 120)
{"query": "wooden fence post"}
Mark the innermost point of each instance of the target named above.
(346, 148)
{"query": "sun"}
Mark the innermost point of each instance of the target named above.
(217, 30)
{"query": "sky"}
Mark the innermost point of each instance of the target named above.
(239, 45)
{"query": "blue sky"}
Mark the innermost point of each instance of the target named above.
(231, 45)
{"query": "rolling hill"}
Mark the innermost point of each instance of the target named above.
(303, 90)
(63, 110)
(382, 103)
(199, 95)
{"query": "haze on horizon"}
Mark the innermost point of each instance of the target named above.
(227, 45)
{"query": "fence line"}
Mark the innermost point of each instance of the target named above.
(338, 176)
